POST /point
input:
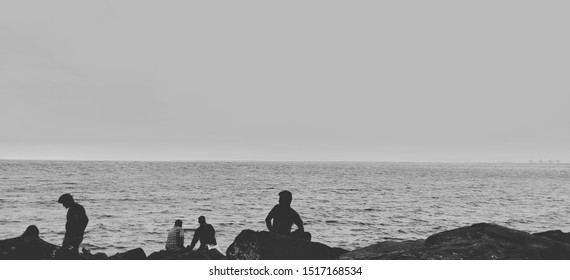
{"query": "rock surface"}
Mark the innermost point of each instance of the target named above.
(557, 235)
(186, 254)
(263, 245)
(476, 242)
(27, 248)
(484, 242)
(135, 254)
(380, 249)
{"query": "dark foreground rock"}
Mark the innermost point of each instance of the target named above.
(380, 249)
(477, 242)
(135, 254)
(27, 248)
(186, 254)
(484, 242)
(30, 246)
(557, 235)
(263, 245)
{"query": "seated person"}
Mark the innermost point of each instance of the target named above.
(175, 239)
(205, 233)
(282, 217)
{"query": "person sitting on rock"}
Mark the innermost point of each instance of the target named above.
(284, 217)
(205, 234)
(175, 239)
(31, 232)
(76, 223)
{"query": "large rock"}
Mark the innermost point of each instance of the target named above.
(187, 254)
(557, 235)
(485, 242)
(134, 254)
(263, 245)
(29, 246)
(380, 249)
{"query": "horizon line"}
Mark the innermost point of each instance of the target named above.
(307, 161)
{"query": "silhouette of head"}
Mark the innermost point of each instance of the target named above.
(202, 220)
(32, 231)
(66, 200)
(285, 198)
(178, 223)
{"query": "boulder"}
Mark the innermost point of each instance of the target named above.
(134, 254)
(29, 246)
(485, 242)
(263, 245)
(187, 254)
(557, 235)
(382, 248)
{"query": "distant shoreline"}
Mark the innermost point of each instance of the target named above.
(293, 161)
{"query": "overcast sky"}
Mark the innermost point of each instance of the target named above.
(485, 81)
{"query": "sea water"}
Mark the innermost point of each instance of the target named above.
(347, 205)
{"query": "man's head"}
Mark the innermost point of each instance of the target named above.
(202, 220)
(66, 200)
(285, 198)
(178, 223)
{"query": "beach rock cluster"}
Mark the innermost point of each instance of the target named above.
(187, 254)
(29, 246)
(263, 245)
(482, 241)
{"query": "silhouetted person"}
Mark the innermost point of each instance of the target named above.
(284, 217)
(175, 239)
(31, 232)
(205, 233)
(76, 223)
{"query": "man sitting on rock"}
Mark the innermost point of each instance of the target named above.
(284, 217)
(175, 239)
(76, 223)
(205, 234)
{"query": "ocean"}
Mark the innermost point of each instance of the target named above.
(343, 204)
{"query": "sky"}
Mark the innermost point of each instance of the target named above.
(419, 81)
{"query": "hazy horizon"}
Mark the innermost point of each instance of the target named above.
(419, 81)
(534, 162)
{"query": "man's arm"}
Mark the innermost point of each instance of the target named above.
(194, 240)
(77, 221)
(269, 218)
(299, 222)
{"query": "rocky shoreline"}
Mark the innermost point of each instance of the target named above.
(483, 241)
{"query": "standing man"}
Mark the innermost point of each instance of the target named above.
(175, 239)
(284, 217)
(76, 223)
(206, 234)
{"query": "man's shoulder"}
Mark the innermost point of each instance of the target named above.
(292, 211)
(77, 207)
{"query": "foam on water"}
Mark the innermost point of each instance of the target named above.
(349, 205)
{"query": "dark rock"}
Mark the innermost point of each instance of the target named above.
(263, 245)
(557, 235)
(135, 254)
(186, 254)
(485, 242)
(29, 246)
(382, 248)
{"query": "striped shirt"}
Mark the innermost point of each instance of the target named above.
(175, 240)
